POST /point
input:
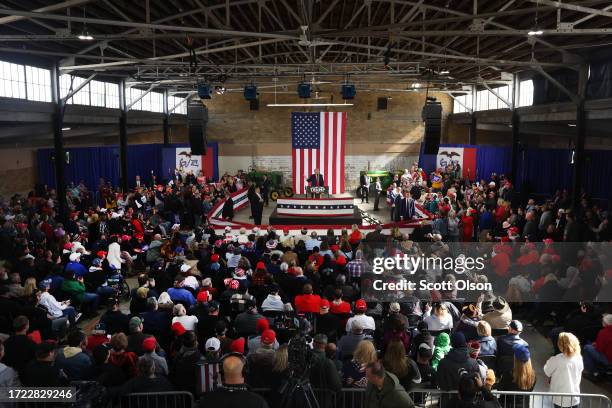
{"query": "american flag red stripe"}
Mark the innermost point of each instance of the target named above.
(328, 157)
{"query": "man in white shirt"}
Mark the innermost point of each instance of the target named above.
(55, 308)
(365, 321)
(313, 241)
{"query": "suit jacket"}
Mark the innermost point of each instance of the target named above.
(314, 181)
(364, 180)
(403, 209)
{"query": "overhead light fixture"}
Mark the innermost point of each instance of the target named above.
(65, 128)
(220, 90)
(85, 36)
(444, 72)
(294, 105)
(571, 124)
(535, 32)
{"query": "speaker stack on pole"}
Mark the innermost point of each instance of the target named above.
(432, 116)
(197, 119)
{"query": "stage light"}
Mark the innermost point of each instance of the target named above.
(416, 85)
(204, 91)
(444, 72)
(348, 91)
(304, 90)
(295, 105)
(65, 128)
(250, 92)
(571, 124)
(219, 90)
(535, 32)
(85, 36)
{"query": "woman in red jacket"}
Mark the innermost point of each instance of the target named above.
(467, 222)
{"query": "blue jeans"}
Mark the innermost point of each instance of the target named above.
(70, 313)
(91, 301)
(105, 292)
(593, 359)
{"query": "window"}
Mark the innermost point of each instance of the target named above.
(466, 100)
(112, 95)
(157, 102)
(81, 97)
(97, 90)
(133, 94)
(38, 84)
(12, 80)
(526, 93)
(174, 101)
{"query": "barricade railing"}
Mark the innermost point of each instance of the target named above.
(174, 399)
(432, 398)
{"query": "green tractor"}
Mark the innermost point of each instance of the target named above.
(277, 189)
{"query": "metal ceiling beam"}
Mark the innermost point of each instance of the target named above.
(496, 94)
(53, 7)
(574, 7)
(575, 98)
(185, 100)
(449, 93)
(152, 26)
(483, 33)
(590, 16)
(135, 101)
(167, 57)
(78, 88)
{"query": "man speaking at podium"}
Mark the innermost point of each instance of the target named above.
(316, 180)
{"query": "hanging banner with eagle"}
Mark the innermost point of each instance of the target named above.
(182, 159)
(465, 157)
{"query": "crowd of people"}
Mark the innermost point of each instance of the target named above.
(213, 311)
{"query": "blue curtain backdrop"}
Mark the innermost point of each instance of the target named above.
(89, 164)
(540, 171)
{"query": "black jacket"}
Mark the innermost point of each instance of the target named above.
(43, 374)
(142, 384)
(447, 376)
(233, 397)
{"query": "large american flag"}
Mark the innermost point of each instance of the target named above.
(318, 143)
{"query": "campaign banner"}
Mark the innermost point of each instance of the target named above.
(464, 156)
(180, 157)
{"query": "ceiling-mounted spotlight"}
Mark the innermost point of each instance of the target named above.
(85, 36)
(444, 72)
(219, 89)
(535, 32)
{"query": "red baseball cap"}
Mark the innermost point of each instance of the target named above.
(334, 247)
(237, 346)
(149, 344)
(68, 246)
(260, 265)
(202, 296)
(101, 254)
(324, 304)
(361, 305)
(178, 329)
(268, 336)
(262, 324)
(125, 237)
(341, 260)
(214, 258)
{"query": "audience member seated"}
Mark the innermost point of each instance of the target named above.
(146, 381)
(501, 315)
(457, 359)
(353, 370)
(598, 355)
(397, 362)
(42, 372)
(384, 389)
(73, 359)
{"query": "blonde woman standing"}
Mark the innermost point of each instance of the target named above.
(565, 371)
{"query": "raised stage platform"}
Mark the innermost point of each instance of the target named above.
(280, 219)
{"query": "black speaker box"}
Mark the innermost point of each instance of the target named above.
(254, 104)
(432, 115)
(197, 119)
(382, 103)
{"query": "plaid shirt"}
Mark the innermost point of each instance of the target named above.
(355, 268)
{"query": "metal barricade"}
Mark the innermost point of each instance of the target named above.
(174, 399)
(432, 398)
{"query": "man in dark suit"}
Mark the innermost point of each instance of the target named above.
(405, 206)
(316, 180)
(364, 182)
(257, 206)
(265, 189)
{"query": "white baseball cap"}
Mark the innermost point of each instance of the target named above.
(213, 344)
(185, 267)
